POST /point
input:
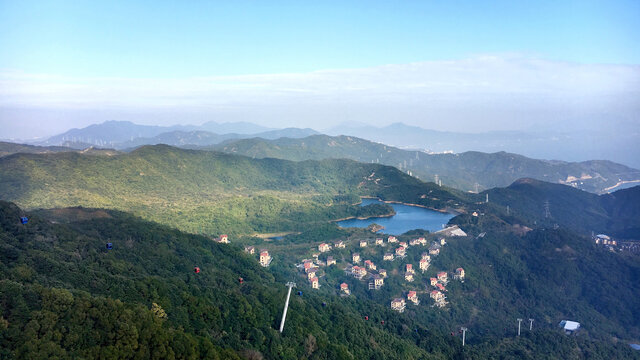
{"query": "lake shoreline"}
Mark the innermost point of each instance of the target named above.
(407, 217)
(365, 217)
(445, 211)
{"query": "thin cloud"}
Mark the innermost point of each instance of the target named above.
(497, 89)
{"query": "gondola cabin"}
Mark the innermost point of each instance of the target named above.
(300, 293)
(109, 246)
(24, 219)
(196, 270)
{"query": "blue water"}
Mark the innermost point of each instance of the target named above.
(406, 218)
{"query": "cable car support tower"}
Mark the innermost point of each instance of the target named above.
(290, 284)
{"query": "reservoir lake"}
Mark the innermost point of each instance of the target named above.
(407, 218)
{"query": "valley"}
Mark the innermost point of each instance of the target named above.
(163, 209)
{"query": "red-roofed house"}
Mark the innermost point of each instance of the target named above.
(265, 258)
(410, 268)
(424, 265)
(358, 272)
(436, 295)
(344, 287)
(311, 274)
(413, 297)
(369, 265)
(324, 247)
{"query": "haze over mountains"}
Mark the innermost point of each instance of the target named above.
(468, 171)
(566, 144)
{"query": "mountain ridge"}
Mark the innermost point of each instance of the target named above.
(461, 171)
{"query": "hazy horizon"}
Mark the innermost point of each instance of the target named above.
(503, 66)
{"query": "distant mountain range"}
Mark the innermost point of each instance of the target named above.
(462, 171)
(125, 134)
(618, 145)
(468, 171)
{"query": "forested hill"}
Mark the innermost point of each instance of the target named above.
(616, 214)
(461, 170)
(8, 148)
(63, 294)
(210, 192)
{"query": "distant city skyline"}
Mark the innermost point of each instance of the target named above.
(466, 67)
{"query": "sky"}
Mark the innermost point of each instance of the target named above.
(447, 65)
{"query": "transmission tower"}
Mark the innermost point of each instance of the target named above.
(290, 284)
(547, 212)
(530, 324)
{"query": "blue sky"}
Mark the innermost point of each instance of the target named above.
(445, 65)
(208, 38)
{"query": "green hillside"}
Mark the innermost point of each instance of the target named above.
(209, 192)
(63, 295)
(460, 171)
(616, 214)
(8, 148)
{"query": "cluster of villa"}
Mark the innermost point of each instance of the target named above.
(606, 241)
(612, 245)
(377, 276)
(364, 269)
(439, 284)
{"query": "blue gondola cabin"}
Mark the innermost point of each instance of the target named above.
(24, 219)
(109, 246)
